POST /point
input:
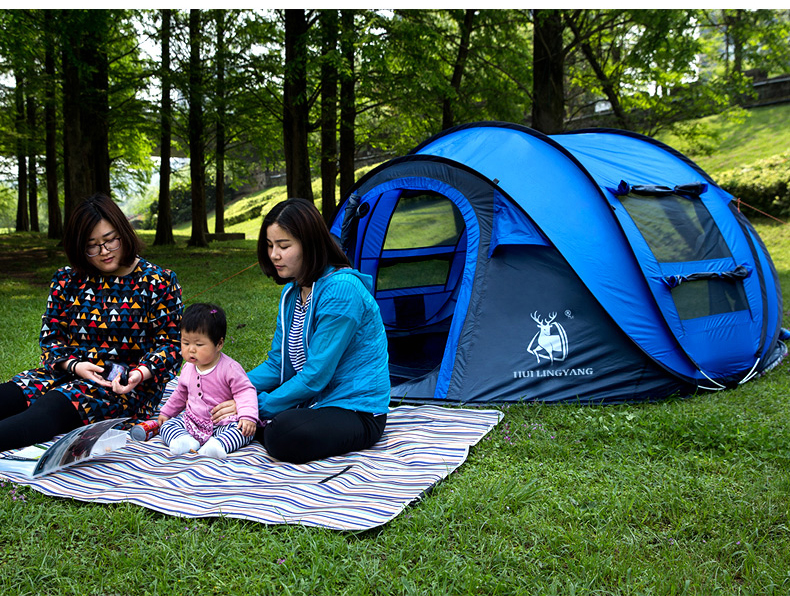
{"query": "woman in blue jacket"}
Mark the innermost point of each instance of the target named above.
(325, 387)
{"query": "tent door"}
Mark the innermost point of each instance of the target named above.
(415, 249)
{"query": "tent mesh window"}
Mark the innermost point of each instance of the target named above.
(421, 220)
(676, 229)
(679, 229)
(703, 298)
(403, 273)
(424, 219)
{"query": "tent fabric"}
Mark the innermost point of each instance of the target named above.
(596, 266)
(512, 227)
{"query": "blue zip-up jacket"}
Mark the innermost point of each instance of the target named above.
(345, 344)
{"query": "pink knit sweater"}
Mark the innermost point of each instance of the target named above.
(199, 393)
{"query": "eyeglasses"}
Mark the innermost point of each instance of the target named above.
(93, 250)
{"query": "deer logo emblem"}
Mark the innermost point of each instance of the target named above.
(550, 342)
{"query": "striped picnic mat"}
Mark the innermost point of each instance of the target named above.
(358, 491)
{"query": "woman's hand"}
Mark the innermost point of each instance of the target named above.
(223, 410)
(247, 427)
(136, 377)
(91, 372)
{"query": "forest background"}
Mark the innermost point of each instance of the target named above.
(216, 103)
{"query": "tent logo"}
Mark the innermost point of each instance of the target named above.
(550, 342)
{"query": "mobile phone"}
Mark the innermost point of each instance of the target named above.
(116, 369)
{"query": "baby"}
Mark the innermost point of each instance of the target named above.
(208, 378)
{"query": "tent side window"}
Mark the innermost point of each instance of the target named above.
(681, 230)
(423, 219)
(676, 229)
(422, 236)
(706, 297)
(402, 273)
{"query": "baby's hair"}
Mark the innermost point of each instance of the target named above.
(205, 318)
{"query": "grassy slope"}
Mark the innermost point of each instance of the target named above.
(764, 132)
(266, 199)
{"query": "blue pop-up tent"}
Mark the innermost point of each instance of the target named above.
(598, 265)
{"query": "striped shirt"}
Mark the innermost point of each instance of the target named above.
(296, 348)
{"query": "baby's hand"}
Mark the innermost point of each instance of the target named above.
(162, 419)
(247, 427)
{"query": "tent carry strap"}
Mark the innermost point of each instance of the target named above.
(348, 230)
(694, 189)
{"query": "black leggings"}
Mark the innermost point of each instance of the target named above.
(307, 434)
(20, 425)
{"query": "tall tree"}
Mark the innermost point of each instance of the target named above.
(259, 107)
(221, 93)
(548, 67)
(608, 84)
(459, 65)
(54, 218)
(441, 66)
(634, 59)
(32, 151)
(328, 20)
(296, 108)
(749, 38)
(736, 26)
(348, 111)
(164, 221)
(22, 219)
(197, 168)
(85, 66)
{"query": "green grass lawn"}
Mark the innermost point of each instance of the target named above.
(685, 496)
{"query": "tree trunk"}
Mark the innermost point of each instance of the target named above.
(329, 32)
(22, 220)
(75, 181)
(219, 197)
(99, 120)
(196, 166)
(448, 119)
(55, 222)
(32, 178)
(69, 117)
(164, 221)
(347, 103)
(738, 41)
(548, 66)
(85, 106)
(295, 106)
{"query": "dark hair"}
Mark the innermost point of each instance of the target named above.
(302, 220)
(208, 319)
(85, 217)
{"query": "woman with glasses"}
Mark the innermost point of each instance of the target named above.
(109, 337)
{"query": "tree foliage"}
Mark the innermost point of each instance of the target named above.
(308, 91)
